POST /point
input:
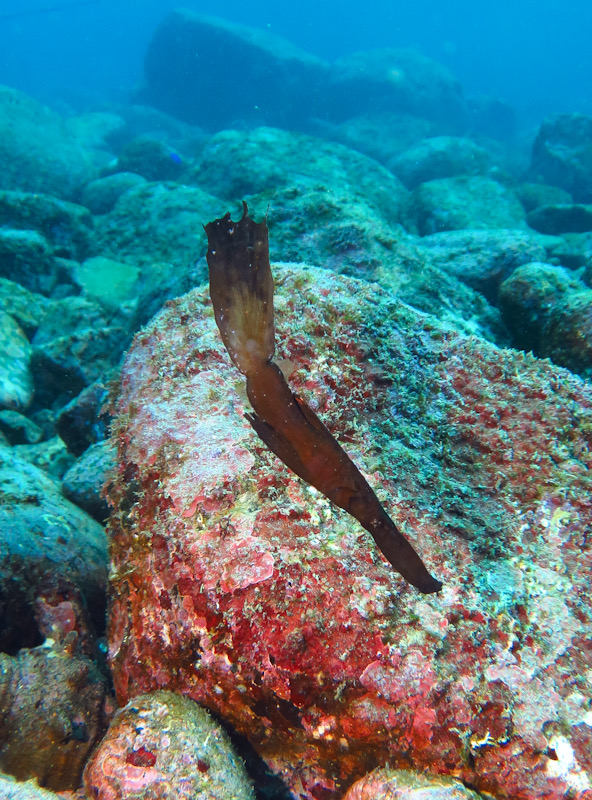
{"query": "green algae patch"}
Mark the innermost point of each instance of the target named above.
(109, 282)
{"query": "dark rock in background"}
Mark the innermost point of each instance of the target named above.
(562, 154)
(55, 708)
(402, 81)
(549, 311)
(83, 482)
(66, 226)
(381, 136)
(533, 195)
(223, 72)
(216, 74)
(555, 219)
(82, 421)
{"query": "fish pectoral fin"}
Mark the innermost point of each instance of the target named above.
(279, 445)
(310, 416)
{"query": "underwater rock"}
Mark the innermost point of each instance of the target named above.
(492, 118)
(152, 159)
(237, 585)
(382, 136)
(549, 311)
(11, 789)
(440, 157)
(16, 377)
(100, 196)
(572, 250)
(562, 154)
(400, 784)
(193, 58)
(111, 283)
(74, 346)
(82, 421)
(26, 307)
(163, 746)
(46, 544)
(55, 707)
(310, 222)
(388, 80)
(83, 482)
(27, 258)
(238, 163)
(464, 202)
(53, 163)
(49, 455)
(483, 259)
(67, 227)
(159, 224)
(18, 429)
(533, 195)
(556, 219)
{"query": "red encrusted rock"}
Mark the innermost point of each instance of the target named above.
(237, 585)
(162, 746)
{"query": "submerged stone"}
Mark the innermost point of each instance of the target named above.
(240, 587)
(163, 746)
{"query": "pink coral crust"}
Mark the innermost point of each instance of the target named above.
(237, 585)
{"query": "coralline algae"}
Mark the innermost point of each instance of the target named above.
(235, 584)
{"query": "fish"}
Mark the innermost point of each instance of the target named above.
(242, 290)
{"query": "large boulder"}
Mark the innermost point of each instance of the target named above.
(48, 546)
(473, 202)
(38, 152)
(402, 81)
(162, 746)
(238, 163)
(212, 72)
(235, 584)
(562, 154)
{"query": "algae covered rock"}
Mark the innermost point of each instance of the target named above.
(562, 154)
(55, 707)
(440, 157)
(549, 311)
(236, 585)
(162, 746)
(54, 162)
(238, 163)
(482, 258)
(45, 542)
(66, 226)
(158, 222)
(27, 258)
(100, 195)
(401, 784)
(472, 202)
(16, 377)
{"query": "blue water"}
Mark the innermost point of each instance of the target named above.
(533, 54)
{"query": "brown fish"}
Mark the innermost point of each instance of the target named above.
(241, 288)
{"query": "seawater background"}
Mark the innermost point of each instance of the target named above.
(534, 54)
